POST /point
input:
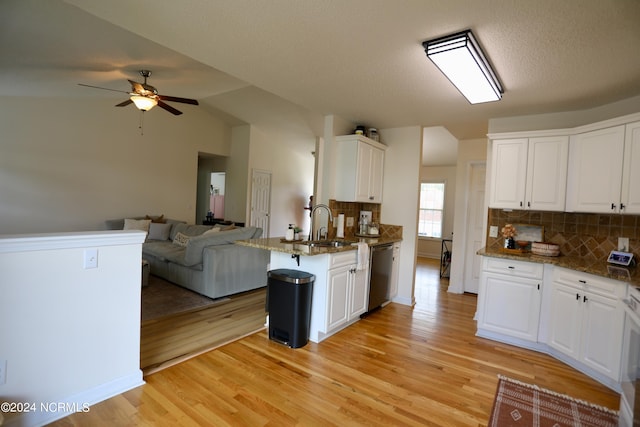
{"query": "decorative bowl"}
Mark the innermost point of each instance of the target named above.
(545, 249)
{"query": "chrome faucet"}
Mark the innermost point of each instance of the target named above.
(313, 211)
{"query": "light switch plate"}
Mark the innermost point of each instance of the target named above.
(90, 258)
(493, 231)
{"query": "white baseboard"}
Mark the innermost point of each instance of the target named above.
(47, 412)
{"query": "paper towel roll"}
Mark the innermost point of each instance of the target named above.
(340, 232)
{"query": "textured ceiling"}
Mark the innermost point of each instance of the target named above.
(359, 59)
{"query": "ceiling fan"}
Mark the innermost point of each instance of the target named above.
(145, 96)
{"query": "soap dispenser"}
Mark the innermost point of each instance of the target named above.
(289, 235)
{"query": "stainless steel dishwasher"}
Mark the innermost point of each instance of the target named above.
(380, 263)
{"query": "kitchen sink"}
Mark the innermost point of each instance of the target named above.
(327, 243)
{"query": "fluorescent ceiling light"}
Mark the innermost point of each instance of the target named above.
(461, 59)
(144, 103)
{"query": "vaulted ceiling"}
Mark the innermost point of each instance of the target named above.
(362, 60)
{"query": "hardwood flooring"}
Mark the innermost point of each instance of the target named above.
(173, 339)
(401, 365)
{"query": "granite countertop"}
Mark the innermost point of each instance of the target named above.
(278, 244)
(598, 267)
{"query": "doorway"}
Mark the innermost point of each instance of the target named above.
(475, 226)
(261, 200)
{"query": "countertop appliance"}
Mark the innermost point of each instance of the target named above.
(630, 381)
(380, 264)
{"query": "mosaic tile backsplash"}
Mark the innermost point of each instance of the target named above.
(590, 236)
(352, 209)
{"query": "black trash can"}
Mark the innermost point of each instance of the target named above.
(289, 305)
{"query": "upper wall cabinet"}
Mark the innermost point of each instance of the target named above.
(359, 169)
(529, 173)
(604, 170)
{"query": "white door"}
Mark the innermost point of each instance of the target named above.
(475, 224)
(260, 200)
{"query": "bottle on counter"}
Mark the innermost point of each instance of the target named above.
(289, 235)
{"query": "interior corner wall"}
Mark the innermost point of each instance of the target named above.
(237, 178)
(431, 248)
(470, 151)
(400, 197)
(288, 156)
(69, 164)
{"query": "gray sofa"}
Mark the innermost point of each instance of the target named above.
(210, 264)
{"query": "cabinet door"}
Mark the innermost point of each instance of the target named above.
(547, 173)
(565, 319)
(376, 175)
(337, 296)
(602, 324)
(509, 305)
(363, 172)
(508, 173)
(595, 171)
(359, 293)
(631, 170)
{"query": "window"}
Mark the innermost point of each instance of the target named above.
(431, 209)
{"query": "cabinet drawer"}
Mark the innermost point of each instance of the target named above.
(342, 258)
(532, 270)
(588, 282)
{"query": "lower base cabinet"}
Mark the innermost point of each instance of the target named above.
(509, 298)
(573, 316)
(586, 320)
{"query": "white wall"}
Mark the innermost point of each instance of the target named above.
(469, 151)
(431, 248)
(400, 198)
(288, 156)
(69, 164)
(69, 335)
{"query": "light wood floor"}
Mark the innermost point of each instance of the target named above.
(402, 365)
(170, 340)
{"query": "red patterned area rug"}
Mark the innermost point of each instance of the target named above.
(521, 404)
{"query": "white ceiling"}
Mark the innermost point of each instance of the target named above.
(257, 60)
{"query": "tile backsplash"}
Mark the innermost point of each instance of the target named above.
(352, 209)
(585, 235)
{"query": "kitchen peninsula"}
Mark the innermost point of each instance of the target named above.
(341, 287)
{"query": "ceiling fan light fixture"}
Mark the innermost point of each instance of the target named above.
(144, 103)
(462, 61)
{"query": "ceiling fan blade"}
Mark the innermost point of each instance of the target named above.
(125, 103)
(176, 99)
(137, 87)
(103, 88)
(169, 108)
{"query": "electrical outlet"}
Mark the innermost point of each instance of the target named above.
(493, 231)
(349, 221)
(90, 258)
(623, 244)
(3, 372)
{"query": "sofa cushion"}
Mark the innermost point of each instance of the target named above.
(136, 224)
(193, 253)
(164, 251)
(159, 231)
(189, 229)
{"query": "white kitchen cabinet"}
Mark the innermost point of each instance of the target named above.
(529, 173)
(359, 169)
(347, 296)
(594, 180)
(509, 298)
(586, 320)
(630, 197)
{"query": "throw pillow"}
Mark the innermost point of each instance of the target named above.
(210, 232)
(159, 231)
(159, 219)
(181, 239)
(137, 224)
